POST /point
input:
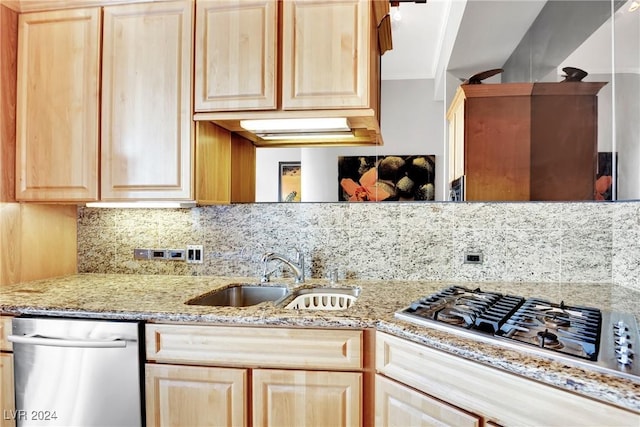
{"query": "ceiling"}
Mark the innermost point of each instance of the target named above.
(469, 36)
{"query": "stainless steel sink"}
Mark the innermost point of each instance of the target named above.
(321, 298)
(241, 295)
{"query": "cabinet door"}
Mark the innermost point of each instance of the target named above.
(398, 405)
(455, 116)
(7, 404)
(146, 101)
(326, 54)
(306, 399)
(57, 106)
(195, 396)
(235, 55)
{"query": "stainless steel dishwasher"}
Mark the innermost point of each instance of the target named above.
(77, 372)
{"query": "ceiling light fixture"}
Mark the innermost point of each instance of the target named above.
(635, 5)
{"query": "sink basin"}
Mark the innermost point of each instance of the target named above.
(321, 298)
(240, 295)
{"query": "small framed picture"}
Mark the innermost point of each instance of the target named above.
(289, 181)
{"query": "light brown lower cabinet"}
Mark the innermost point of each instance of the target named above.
(246, 376)
(306, 398)
(196, 396)
(7, 402)
(495, 396)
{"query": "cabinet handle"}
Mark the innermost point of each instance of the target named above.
(33, 339)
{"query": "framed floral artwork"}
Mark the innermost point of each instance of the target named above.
(289, 181)
(386, 178)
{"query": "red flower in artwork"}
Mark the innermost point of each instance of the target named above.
(366, 190)
(602, 186)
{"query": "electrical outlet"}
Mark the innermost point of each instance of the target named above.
(473, 257)
(157, 254)
(194, 254)
(176, 254)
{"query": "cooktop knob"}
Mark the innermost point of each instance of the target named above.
(622, 339)
(620, 328)
(624, 359)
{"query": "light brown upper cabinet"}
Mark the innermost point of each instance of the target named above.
(57, 105)
(267, 59)
(326, 51)
(145, 126)
(235, 63)
(146, 98)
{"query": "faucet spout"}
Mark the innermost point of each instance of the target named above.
(296, 266)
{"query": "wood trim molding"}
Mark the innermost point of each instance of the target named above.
(8, 77)
(42, 5)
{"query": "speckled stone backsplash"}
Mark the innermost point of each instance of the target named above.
(532, 242)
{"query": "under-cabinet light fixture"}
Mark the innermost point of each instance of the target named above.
(302, 125)
(142, 204)
(305, 136)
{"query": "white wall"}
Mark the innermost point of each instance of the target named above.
(411, 123)
(627, 139)
(267, 170)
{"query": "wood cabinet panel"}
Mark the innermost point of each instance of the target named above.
(497, 147)
(5, 330)
(324, 68)
(236, 55)
(29, 234)
(57, 105)
(225, 166)
(7, 401)
(255, 347)
(400, 406)
(196, 396)
(146, 102)
(484, 390)
(304, 398)
(8, 76)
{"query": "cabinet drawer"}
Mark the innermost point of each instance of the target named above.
(5, 330)
(255, 347)
(399, 405)
(484, 390)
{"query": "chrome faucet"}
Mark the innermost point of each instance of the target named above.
(296, 266)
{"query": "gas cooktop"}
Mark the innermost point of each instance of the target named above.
(584, 336)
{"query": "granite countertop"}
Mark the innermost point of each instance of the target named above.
(155, 298)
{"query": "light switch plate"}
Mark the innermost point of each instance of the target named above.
(194, 254)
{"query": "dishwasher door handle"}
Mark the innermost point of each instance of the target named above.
(34, 339)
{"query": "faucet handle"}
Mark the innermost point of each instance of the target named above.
(299, 256)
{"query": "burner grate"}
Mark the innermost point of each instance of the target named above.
(575, 330)
(497, 314)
